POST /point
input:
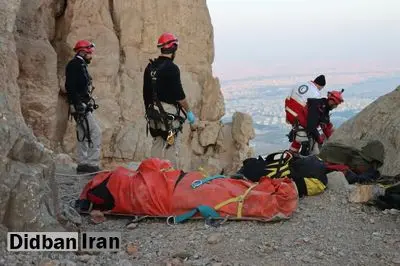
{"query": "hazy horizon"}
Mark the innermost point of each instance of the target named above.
(305, 37)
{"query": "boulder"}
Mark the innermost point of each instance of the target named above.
(242, 129)
(378, 121)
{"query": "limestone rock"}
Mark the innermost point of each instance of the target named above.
(212, 165)
(378, 121)
(209, 135)
(337, 182)
(27, 168)
(63, 159)
(213, 101)
(220, 139)
(232, 143)
(214, 238)
(49, 262)
(227, 150)
(365, 193)
(37, 80)
(70, 214)
(239, 156)
(131, 249)
(242, 128)
(197, 148)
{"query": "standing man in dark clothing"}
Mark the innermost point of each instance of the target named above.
(78, 84)
(164, 100)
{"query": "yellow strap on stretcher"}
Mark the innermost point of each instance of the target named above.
(169, 169)
(239, 199)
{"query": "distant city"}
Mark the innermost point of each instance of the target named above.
(266, 105)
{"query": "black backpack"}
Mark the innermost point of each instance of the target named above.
(275, 165)
(391, 198)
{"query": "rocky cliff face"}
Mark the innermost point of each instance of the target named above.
(125, 34)
(26, 166)
(36, 40)
(378, 121)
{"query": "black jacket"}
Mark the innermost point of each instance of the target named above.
(318, 113)
(78, 82)
(168, 86)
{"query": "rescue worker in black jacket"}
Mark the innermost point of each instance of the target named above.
(165, 101)
(318, 115)
(78, 84)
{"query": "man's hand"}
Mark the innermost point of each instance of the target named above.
(327, 129)
(191, 117)
(321, 138)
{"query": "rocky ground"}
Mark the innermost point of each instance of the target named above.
(325, 230)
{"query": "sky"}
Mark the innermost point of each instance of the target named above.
(290, 37)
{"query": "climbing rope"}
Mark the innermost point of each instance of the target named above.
(86, 174)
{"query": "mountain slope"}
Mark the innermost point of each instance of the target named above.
(378, 121)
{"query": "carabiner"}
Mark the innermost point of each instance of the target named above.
(173, 220)
(170, 138)
(196, 183)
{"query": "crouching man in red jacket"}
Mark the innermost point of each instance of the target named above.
(306, 120)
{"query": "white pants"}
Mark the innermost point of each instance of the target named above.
(159, 150)
(89, 153)
(301, 136)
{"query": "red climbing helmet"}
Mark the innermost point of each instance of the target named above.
(168, 42)
(84, 45)
(336, 96)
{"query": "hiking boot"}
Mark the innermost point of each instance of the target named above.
(86, 168)
(81, 168)
(94, 168)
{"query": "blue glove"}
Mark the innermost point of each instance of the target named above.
(191, 117)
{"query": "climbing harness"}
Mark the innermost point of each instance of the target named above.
(156, 114)
(82, 121)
